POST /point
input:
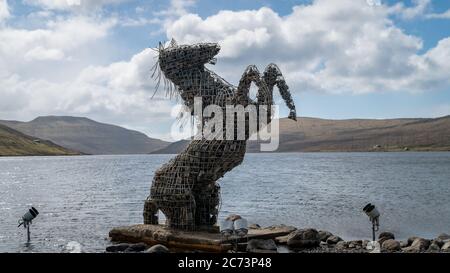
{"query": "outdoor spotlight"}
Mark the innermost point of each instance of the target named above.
(226, 228)
(241, 227)
(374, 217)
(27, 219)
(234, 225)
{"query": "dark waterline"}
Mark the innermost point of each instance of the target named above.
(81, 198)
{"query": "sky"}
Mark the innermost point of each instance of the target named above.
(341, 59)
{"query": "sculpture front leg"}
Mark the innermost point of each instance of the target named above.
(273, 76)
(252, 75)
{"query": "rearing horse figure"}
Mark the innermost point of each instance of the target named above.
(185, 188)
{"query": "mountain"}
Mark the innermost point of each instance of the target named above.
(173, 148)
(88, 136)
(321, 135)
(15, 143)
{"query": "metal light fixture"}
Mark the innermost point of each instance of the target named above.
(241, 227)
(374, 217)
(27, 219)
(226, 228)
(236, 226)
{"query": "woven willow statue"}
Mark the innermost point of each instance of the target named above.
(185, 189)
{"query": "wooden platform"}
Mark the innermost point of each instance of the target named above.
(185, 240)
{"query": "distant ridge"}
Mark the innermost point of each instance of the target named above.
(15, 143)
(173, 148)
(88, 136)
(353, 135)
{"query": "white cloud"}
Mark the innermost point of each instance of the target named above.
(119, 93)
(41, 54)
(43, 71)
(61, 39)
(177, 8)
(444, 15)
(4, 10)
(76, 5)
(331, 46)
(137, 22)
(418, 9)
(34, 81)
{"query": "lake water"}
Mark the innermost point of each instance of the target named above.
(81, 198)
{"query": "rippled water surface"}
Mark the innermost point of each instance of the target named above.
(81, 198)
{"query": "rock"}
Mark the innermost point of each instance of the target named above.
(254, 226)
(332, 240)
(261, 246)
(446, 247)
(304, 238)
(323, 235)
(443, 237)
(341, 245)
(355, 244)
(281, 240)
(117, 247)
(421, 243)
(434, 247)
(157, 249)
(411, 240)
(404, 244)
(364, 243)
(139, 247)
(386, 234)
(391, 245)
(438, 242)
(418, 245)
(373, 247)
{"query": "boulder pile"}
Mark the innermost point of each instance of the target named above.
(312, 240)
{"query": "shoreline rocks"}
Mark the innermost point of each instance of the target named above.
(261, 246)
(303, 238)
(308, 240)
(391, 245)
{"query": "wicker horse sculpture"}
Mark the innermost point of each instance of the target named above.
(185, 189)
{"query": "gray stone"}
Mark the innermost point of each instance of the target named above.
(158, 249)
(434, 247)
(443, 236)
(446, 247)
(386, 234)
(364, 243)
(391, 245)
(324, 235)
(355, 244)
(438, 242)
(304, 238)
(117, 247)
(136, 247)
(341, 245)
(281, 240)
(261, 246)
(411, 240)
(332, 240)
(418, 245)
(404, 244)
